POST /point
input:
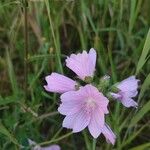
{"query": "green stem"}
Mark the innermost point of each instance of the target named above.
(86, 140)
(55, 140)
(53, 35)
(25, 4)
(94, 144)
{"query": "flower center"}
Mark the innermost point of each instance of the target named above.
(90, 103)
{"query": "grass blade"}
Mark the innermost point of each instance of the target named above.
(4, 131)
(139, 115)
(11, 74)
(144, 86)
(144, 54)
(142, 147)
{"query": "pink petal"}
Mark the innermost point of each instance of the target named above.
(77, 121)
(129, 102)
(129, 86)
(68, 121)
(83, 64)
(75, 96)
(96, 123)
(59, 83)
(69, 108)
(109, 135)
(81, 121)
(52, 147)
(92, 56)
(116, 95)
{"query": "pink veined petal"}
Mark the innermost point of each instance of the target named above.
(92, 56)
(83, 64)
(72, 96)
(115, 95)
(68, 121)
(77, 121)
(109, 135)
(52, 147)
(81, 121)
(69, 108)
(103, 103)
(129, 85)
(131, 93)
(129, 102)
(59, 83)
(96, 123)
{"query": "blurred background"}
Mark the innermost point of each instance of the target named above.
(117, 29)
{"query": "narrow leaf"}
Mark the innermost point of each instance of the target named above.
(144, 54)
(145, 109)
(5, 132)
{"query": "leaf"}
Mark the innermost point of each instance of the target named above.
(145, 109)
(7, 100)
(11, 74)
(133, 136)
(4, 131)
(144, 54)
(144, 86)
(141, 147)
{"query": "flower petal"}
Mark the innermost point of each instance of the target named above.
(116, 95)
(83, 64)
(59, 83)
(92, 56)
(109, 135)
(96, 123)
(129, 102)
(81, 121)
(129, 86)
(69, 108)
(68, 121)
(77, 121)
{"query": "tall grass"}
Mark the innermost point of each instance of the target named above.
(117, 29)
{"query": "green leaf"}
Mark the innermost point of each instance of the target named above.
(5, 132)
(133, 136)
(142, 147)
(144, 54)
(145, 109)
(11, 74)
(144, 86)
(8, 100)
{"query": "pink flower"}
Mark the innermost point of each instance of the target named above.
(38, 147)
(59, 83)
(85, 107)
(128, 90)
(83, 64)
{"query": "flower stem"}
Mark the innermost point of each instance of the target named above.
(94, 144)
(55, 140)
(25, 4)
(87, 142)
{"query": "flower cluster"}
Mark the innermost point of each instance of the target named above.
(85, 105)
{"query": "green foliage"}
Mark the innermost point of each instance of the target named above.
(117, 29)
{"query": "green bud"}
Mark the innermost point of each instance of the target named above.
(104, 83)
(88, 79)
(115, 89)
